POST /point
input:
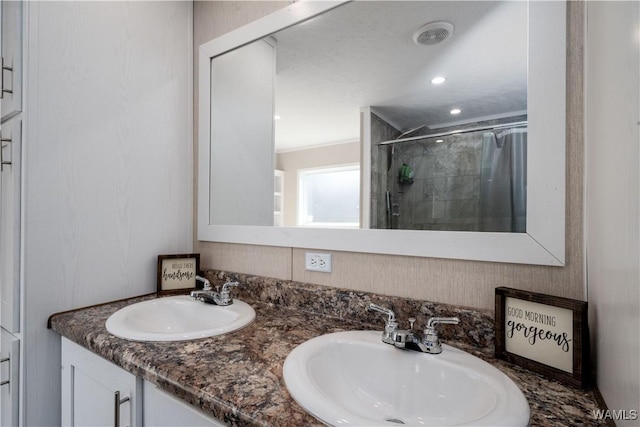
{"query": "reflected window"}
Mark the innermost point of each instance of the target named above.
(329, 196)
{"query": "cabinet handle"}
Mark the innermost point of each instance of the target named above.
(8, 360)
(116, 403)
(2, 161)
(4, 68)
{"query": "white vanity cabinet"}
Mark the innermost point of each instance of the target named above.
(163, 410)
(10, 192)
(11, 82)
(96, 392)
(9, 379)
(11, 27)
(10, 181)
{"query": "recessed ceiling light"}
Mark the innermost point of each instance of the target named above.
(439, 140)
(456, 111)
(438, 80)
(276, 117)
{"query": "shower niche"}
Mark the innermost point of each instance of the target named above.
(467, 178)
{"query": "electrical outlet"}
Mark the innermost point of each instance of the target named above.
(317, 262)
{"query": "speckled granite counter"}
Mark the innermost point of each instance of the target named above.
(237, 377)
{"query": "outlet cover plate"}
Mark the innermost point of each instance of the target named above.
(317, 262)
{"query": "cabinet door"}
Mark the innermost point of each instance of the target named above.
(96, 392)
(10, 225)
(9, 379)
(11, 95)
(163, 410)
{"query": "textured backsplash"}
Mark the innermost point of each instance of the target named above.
(475, 328)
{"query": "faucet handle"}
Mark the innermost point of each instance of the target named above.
(224, 295)
(207, 283)
(433, 321)
(227, 285)
(391, 325)
(431, 339)
(391, 315)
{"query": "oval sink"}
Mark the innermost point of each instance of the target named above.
(353, 378)
(178, 318)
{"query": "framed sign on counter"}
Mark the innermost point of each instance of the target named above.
(543, 333)
(177, 272)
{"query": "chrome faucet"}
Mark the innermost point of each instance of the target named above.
(407, 339)
(206, 282)
(430, 340)
(391, 325)
(209, 296)
(224, 297)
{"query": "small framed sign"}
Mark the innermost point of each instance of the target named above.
(177, 272)
(543, 333)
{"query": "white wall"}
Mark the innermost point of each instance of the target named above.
(108, 165)
(613, 198)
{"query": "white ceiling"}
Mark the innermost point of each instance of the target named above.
(362, 54)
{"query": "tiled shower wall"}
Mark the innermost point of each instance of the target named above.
(380, 160)
(445, 193)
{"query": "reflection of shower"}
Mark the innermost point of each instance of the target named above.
(467, 180)
(389, 203)
(503, 181)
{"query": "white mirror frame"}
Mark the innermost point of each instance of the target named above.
(544, 241)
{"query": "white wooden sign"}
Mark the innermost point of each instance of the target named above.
(544, 333)
(539, 332)
(177, 271)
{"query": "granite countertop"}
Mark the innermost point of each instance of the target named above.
(237, 377)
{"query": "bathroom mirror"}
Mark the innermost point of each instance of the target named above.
(543, 241)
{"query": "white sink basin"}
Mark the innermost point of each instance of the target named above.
(353, 378)
(178, 318)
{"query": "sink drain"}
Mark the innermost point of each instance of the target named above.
(395, 420)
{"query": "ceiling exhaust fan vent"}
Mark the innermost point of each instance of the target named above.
(432, 33)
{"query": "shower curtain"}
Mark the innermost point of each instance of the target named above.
(503, 181)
